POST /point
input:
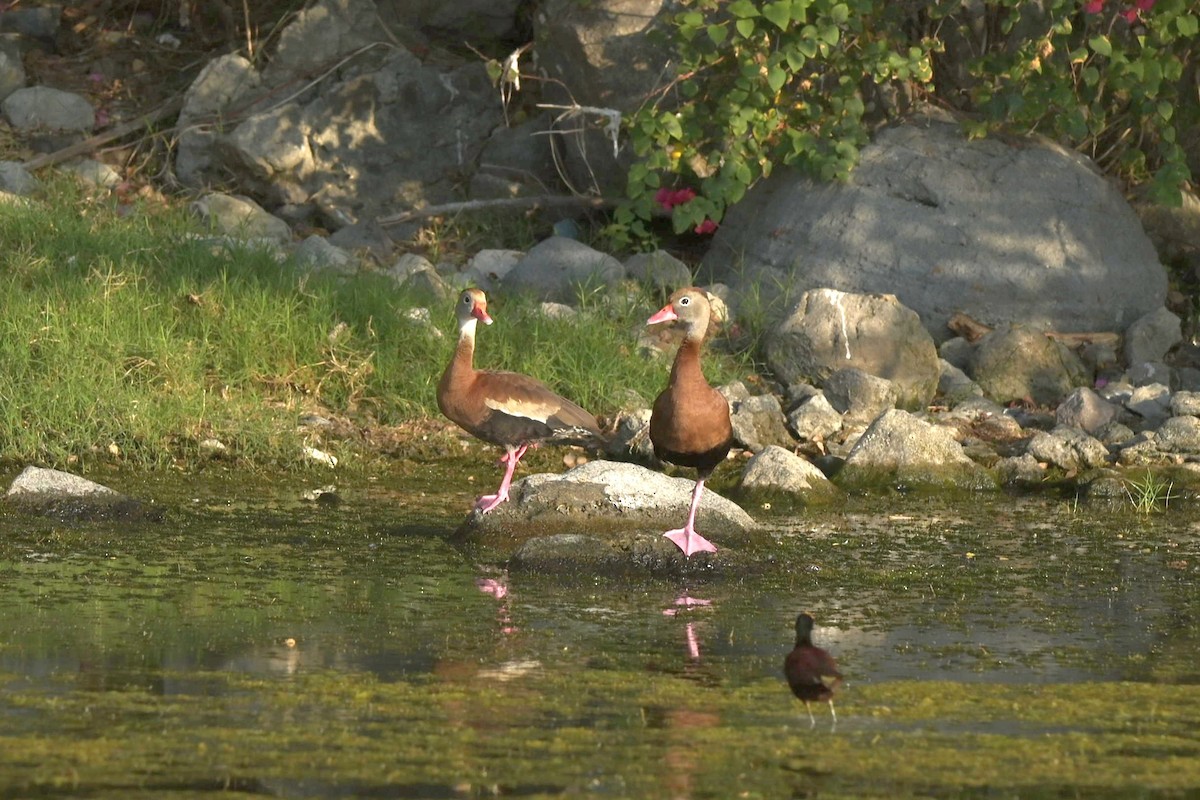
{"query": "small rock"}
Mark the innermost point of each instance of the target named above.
(953, 384)
(212, 448)
(557, 311)
(97, 173)
(758, 422)
(424, 320)
(14, 178)
(71, 498)
(631, 438)
(320, 457)
(815, 420)
(241, 217)
(1085, 410)
(1022, 470)
(1180, 435)
(776, 469)
(860, 397)
(1185, 404)
(315, 252)
(1152, 402)
(1068, 449)
(1150, 337)
(41, 107)
(903, 450)
(660, 269)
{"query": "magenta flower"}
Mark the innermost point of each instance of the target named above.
(1093, 6)
(669, 198)
(708, 226)
(1144, 5)
(1130, 15)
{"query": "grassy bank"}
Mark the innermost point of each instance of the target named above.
(126, 339)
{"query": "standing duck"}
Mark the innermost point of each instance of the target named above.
(504, 408)
(689, 425)
(806, 668)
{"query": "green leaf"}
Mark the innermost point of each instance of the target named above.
(779, 12)
(840, 13)
(1187, 25)
(829, 34)
(743, 9)
(1091, 75)
(745, 27)
(1100, 45)
(717, 33)
(776, 78)
(1165, 110)
(691, 19)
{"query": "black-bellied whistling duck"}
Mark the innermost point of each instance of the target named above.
(806, 668)
(689, 425)
(504, 408)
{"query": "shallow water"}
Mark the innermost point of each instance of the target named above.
(258, 644)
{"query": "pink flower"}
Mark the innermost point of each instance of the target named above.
(1144, 5)
(669, 198)
(1093, 6)
(1130, 15)
(708, 226)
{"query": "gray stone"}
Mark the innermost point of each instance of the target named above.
(1151, 336)
(1152, 402)
(1141, 450)
(272, 153)
(1067, 448)
(223, 84)
(814, 420)
(958, 351)
(1114, 433)
(240, 217)
(97, 173)
(1180, 435)
(68, 497)
(1085, 410)
(557, 311)
(1147, 373)
(758, 422)
(558, 269)
(1022, 470)
(659, 269)
(316, 252)
(1014, 363)
(860, 397)
(902, 450)
(830, 330)
(41, 107)
(777, 469)
(1185, 404)
(950, 225)
(487, 268)
(37, 22)
(954, 386)
(15, 179)
(12, 71)
(631, 438)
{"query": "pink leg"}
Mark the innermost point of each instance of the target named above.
(490, 501)
(686, 537)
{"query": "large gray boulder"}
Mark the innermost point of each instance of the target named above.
(555, 269)
(1028, 233)
(898, 449)
(829, 330)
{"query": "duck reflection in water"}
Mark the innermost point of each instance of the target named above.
(807, 668)
(498, 588)
(682, 604)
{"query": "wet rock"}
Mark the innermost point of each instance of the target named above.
(778, 470)
(900, 449)
(1068, 449)
(1085, 410)
(1022, 470)
(605, 499)
(758, 423)
(830, 330)
(860, 397)
(815, 420)
(71, 498)
(1015, 363)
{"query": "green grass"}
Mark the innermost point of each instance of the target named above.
(1146, 494)
(125, 337)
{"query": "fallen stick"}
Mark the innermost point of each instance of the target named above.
(93, 143)
(501, 203)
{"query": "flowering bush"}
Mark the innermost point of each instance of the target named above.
(762, 83)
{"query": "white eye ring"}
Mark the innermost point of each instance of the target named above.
(466, 298)
(683, 301)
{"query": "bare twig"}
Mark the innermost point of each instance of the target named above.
(502, 203)
(93, 143)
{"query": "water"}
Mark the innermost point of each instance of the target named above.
(256, 644)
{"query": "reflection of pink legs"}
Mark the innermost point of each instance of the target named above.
(693, 642)
(686, 538)
(510, 457)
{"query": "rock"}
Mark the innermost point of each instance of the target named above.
(1068, 449)
(1151, 336)
(958, 351)
(37, 22)
(1114, 433)
(901, 450)
(1013, 363)
(860, 397)
(14, 178)
(1141, 450)
(516, 161)
(631, 438)
(1180, 435)
(367, 237)
(224, 83)
(71, 498)
(12, 71)
(779, 470)
(603, 498)
(814, 420)
(1022, 470)
(421, 317)
(758, 422)
(43, 108)
(659, 269)
(557, 311)
(829, 330)
(1085, 410)
(272, 154)
(487, 268)
(954, 386)
(557, 269)
(1148, 373)
(88, 170)
(240, 217)
(315, 252)
(948, 225)
(1185, 404)
(1151, 402)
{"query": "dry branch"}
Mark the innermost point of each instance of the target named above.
(502, 203)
